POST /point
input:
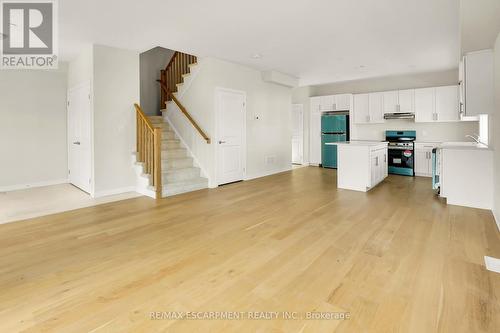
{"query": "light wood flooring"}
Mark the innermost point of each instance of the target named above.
(397, 259)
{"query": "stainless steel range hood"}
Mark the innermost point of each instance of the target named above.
(400, 115)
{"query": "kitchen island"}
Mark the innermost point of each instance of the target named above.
(362, 165)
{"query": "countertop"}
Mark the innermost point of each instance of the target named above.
(357, 143)
(463, 146)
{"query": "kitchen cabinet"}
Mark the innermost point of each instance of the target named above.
(423, 159)
(399, 101)
(368, 108)
(327, 103)
(361, 164)
(379, 168)
(478, 81)
(361, 109)
(437, 104)
(315, 131)
(376, 108)
(390, 101)
(447, 104)
(341, 102)
(425, 104)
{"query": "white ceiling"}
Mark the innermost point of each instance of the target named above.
(480, 24)
(317, 41)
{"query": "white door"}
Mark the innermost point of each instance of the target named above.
(79, 138)
(406, 100)
(447, 107)
(361, 109)
(425, 104)
(375, 107)
(231, 136)
(297, 133)
(390, 101)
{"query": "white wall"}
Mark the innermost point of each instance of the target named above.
(266, 137)
(496, 133)
(81, 69)
(115, 89)
(151, 63)
(425, 131)
(33, 127)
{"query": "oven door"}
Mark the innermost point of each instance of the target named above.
(401, 161)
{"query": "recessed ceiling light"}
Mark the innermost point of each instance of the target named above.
(362, 66)
(256, 56)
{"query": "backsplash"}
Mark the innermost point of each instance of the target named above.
(454, 131)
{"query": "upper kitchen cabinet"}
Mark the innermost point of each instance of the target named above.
(327, 103)
(376, 108)
(425, 105)
(341, 102)
(368, 108)
(361, 109)
(390, 101)
(447, 104)
(315, 104)
(406, 100)
(440, 104)
(478, 83)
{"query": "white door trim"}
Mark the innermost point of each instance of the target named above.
(301, 107)
(217, 131)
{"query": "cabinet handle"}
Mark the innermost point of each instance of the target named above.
(376, 161)
(385, 158)
(334, 106)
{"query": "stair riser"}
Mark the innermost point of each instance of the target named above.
(174, 154)
(181, 175)
(182, 163)
(170, 135)
(171, 190)
(171, 145)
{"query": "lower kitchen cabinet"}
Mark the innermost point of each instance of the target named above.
(423, 158)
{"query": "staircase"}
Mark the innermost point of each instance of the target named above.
(161, 159)
(179, 174)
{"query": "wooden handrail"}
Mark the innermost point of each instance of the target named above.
(173, 73)
(184, 111)
(148, 140)
(171, 60)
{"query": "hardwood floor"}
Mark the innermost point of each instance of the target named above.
(397, 259)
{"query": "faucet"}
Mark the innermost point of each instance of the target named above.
(474, 137)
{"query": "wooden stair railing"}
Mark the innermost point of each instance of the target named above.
(168, 93)
(172, 74)
(149, 148)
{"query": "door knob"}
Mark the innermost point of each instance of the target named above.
(221, 142)
(76, 143)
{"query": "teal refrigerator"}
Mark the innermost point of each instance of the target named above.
(334, 128)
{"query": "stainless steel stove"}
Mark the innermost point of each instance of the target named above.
(401, 152)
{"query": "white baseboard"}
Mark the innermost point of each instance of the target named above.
(497, 219)
(114, 191)
(31, 185)
(267, 173)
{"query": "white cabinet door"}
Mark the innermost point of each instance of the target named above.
(343, 102)
(315, 138)
(376, 113)
(406, 100)
(425, 104)
(361, 109)
(328, 103)
(479, 83)
(315, 104)
(421, 165)
(447, 107)
(390, 100)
